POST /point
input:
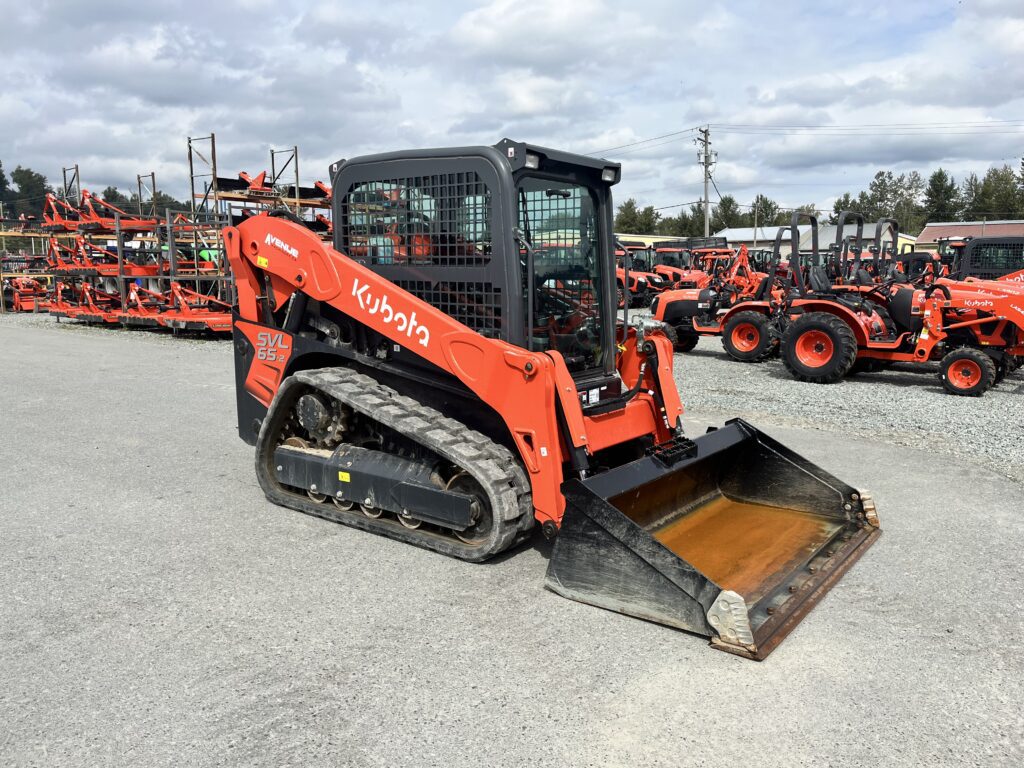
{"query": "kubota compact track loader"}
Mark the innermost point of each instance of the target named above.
(454, 398)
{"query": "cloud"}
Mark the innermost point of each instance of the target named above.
(117, 86)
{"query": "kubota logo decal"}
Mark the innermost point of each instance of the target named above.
(282, 245)
(407, 324)
(979, 303)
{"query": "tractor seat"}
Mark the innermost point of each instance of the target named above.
(818, 280)
(898, 276)
(863, 277)
(763, 288)
(901, 304)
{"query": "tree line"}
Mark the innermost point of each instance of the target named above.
(24, 193)
(906, 197)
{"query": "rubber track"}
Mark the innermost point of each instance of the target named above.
(490, 464)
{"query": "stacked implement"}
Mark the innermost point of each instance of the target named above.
(116, 268)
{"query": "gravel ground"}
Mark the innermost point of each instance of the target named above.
(905, 405)
(156, 610)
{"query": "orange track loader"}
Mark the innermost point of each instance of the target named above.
(456, 399)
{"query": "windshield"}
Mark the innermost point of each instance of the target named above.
(640, 260)
(673, 258)
(559, 221)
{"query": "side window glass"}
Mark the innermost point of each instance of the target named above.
(436, 220)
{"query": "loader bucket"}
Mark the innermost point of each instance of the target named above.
(736, 539)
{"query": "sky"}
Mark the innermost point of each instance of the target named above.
(805, 100)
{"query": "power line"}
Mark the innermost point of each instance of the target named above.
(733, 132)
(678, 205)
(650, 146)
(716, 189)
(642, 141)
(857, 126)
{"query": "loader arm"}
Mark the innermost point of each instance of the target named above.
(274, 259)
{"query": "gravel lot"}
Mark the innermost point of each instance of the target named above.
(905, 405)
(156, 610)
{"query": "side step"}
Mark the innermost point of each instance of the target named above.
(735, 542)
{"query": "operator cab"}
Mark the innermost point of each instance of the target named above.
(514, 241)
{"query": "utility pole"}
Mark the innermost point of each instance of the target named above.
(756, 202)
(707, 159)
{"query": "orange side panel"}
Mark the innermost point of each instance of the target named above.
(273, 350)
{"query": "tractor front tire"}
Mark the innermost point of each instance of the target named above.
(819, 348)
(686, 339)
(748, 337)
(968, 372)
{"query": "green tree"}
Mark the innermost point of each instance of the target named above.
(1000, 194)
(627, 218)
(32, 191)
(114, 197)
(907, 205)
(764, 211)
(941, 197)
(5, 186)
(647, 221)
(726, 214)
(675, 226)
(165, 201)
(879, 200)
(971, 198)
(845, 203)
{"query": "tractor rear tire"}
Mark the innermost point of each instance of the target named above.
(686, 339)
(967, 372)
(887, 321)
(819, 348)
(748, 337)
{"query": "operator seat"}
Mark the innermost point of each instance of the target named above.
(863, 277)
(763, 288)
(901, 304)
(897, 275)
(818, 280)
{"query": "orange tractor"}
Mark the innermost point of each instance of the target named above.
(975, 331)
(719, 307)
(458, 402)
(632, 268)
(677, 262)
